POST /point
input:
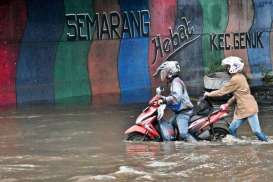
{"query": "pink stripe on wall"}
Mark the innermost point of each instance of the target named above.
(163, 14)
(103, 62)
(12, 23)
(240, 20)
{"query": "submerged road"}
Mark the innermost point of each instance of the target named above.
(84, 143)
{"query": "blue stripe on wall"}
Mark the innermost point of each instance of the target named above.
(259, 58)
(35, 66)
(134, 81)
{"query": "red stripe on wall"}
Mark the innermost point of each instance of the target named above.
(103, 62)
(12, 23)
(163, 14)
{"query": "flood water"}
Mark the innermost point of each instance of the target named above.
(84, 143)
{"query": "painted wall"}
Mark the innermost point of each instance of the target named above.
(98, 51)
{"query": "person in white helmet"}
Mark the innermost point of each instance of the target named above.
(246, 105)
(178, 100)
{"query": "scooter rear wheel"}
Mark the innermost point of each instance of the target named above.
(136, 136)
(219, 133)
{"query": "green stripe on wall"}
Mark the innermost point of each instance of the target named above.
(71, 79)
(215, 18)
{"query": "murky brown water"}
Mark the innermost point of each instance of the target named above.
(80, 144)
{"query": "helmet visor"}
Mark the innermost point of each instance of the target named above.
(226, 68)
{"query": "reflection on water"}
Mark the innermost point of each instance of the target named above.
(81, 143)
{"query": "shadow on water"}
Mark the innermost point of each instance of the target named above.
(80, 143)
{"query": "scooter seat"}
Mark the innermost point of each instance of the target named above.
(196, 117)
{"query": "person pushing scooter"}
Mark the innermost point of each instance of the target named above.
(178, 100)
(246, 106)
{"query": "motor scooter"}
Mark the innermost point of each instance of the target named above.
(207, 124)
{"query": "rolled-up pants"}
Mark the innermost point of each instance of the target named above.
(254, 123)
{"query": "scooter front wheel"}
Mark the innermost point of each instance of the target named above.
(136, 136)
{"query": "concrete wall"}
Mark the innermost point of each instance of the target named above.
(107, 50)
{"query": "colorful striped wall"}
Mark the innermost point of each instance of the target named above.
(40, 64)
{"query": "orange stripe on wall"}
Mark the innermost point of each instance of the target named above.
(239, 21)
(103, 62)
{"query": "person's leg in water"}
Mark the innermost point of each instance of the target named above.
(172, 120)
(234, 126)
(255, 127)
(182, 121)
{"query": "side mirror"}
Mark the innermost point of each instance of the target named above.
(159, 90)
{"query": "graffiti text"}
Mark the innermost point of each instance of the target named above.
(176, 40)
(112, 25)
(229, 41)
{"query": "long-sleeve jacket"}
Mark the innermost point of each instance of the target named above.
(246, 104)
(178, 99)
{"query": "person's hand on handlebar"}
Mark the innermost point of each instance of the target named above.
(224, 106)
(206, 94)
(160, 101)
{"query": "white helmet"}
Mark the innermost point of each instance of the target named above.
(236, 64)
(168, 69)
